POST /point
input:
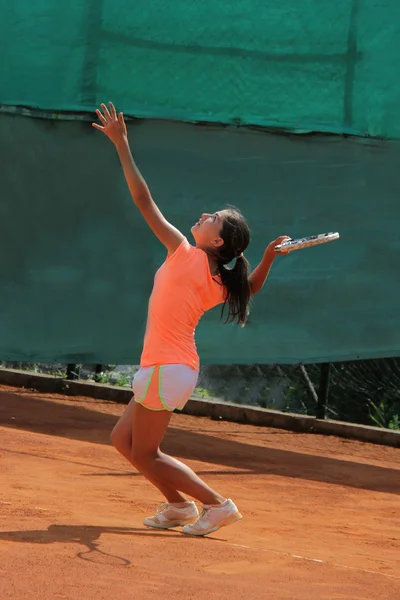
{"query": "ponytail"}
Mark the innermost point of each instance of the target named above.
(235, 234)
(236, 282)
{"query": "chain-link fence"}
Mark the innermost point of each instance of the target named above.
(365, 392)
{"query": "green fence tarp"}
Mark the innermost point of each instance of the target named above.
(320, 65)
(77, 261)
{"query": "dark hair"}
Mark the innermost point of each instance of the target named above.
(236, 236)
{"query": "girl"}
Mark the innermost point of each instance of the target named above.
(192, 279)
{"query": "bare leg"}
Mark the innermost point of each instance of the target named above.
(148, 429)
(121, 438)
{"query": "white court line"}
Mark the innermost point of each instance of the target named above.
(316, 560)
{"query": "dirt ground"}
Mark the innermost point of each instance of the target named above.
(321, 514)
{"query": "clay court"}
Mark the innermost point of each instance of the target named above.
(321, 514)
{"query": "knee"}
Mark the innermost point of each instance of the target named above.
(142, 458)
(120, 442)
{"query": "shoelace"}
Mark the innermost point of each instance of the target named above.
(203, 513)
(162, 507)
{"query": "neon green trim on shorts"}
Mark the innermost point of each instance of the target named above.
(149, 407)
(147, 386)
(143, 398)
(160, 391)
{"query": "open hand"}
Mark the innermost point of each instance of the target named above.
(113, 125)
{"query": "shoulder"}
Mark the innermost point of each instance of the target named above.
(185, 250)
(193, 260)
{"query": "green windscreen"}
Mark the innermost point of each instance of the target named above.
(321, 65)
(77, 261)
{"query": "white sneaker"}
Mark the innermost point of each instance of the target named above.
(214, 517)
(169, 515)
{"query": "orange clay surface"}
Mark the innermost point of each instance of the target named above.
(321, 514)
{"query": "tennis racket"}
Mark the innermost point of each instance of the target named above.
(306, 242)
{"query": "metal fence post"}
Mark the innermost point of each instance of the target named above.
(98, 369)
(72, 372)
(323, 390)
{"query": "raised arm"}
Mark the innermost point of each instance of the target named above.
(258, 277)
(113, 126)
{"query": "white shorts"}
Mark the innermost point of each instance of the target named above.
(164, 387)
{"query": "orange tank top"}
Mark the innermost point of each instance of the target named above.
(183, 290)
